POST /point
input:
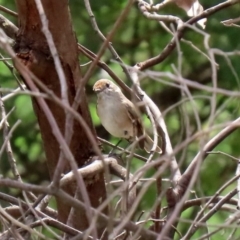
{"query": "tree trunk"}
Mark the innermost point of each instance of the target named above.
(32, 49)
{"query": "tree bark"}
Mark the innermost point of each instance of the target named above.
(32, 49)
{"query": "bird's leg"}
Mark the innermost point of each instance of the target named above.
(114, 148)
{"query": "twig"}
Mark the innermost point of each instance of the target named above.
(162, 129)
(144, 8)
(9, 28)
(210, 213)
(199, 201)
(8, 136)
(100, 34)
(172, 44)
(212, 199)
(19, 224)
(104, 66)
(122, 149)
(6, 10)
(231, 22)
(102, 218)
(192, 84)
(238, 185)
(178, 194)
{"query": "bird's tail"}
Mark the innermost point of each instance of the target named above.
(148, 144)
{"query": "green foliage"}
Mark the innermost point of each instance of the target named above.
(137, 40)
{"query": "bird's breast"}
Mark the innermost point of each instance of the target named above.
(114, 117)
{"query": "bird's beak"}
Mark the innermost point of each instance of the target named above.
(96, 90)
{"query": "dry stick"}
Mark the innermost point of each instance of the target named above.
(7, 138)
(232, 234)
(206, 200)
(231, 22)
(6, 10)
(193, 227)
(8, 27)
(182, 40)
(155, 143)
(33, 216)
(224, 200)
(167, 146)
(190, 83)
(11, 158)
(44, 218)
(11, 69)
(50, 218)
(157, 226)
(172, 44)
(188, 178)
(58, 225)
(11, 30)
(104, 66)
(81, 87)
(93, 169)
(122, 149)
(208, 147)
(143, 190)
(19, 224)
(238, 185)
(144, 8)
(72, 202)
(101, 51)
(121, 172)
(4, 119)
(100, 34)
(17, 91)
(157, 7)
(225, 154)
(218, 206)
(214, 81)
(146, 186)
(14, 201)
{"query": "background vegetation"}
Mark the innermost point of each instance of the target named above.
(136, 40)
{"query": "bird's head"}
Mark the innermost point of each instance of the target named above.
(105, 86)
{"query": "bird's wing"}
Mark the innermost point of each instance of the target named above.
(139, 131)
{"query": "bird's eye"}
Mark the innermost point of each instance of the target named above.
(107, 85)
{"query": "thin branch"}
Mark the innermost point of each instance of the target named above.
(100, 34)
(6, 10)
(71, 201)
(104, 66)
(179, 34)
(9, 28)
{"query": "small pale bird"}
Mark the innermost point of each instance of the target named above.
(118, 114)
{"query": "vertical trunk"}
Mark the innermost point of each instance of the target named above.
(32, 49)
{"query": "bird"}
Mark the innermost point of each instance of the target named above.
(118, 115)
